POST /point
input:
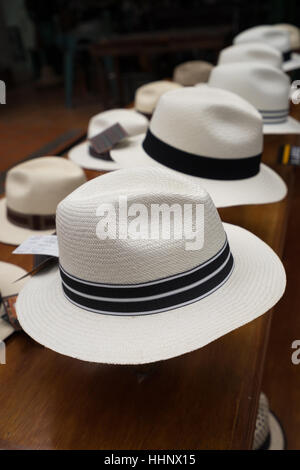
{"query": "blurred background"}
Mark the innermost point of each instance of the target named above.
(64, 61)
(48, 45)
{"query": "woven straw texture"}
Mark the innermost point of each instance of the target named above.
(36, 187)
(255, 285)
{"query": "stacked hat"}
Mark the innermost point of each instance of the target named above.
(147, 96)
(251, 52)
(265, 87)
(274, 37)
(294, 33)
(216, 138)
(134, 297)
(9, 274)
(192, 72)
(131, 121)
(33, 190)
(268, 434)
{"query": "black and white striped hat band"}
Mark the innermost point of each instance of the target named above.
(275, 116)
(151, 297)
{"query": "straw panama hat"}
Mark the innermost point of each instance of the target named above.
(33, 190)
(9, 273)
(133, 123)
(134, 301)
(215, 137)
(268, 434)
(275, 37)
(192, 72)
(147, 96)
(294, 33)
(265, 87)
(251, 52)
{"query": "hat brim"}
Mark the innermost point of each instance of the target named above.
(255, 285)
(80, 155)
(291, 126)
(9, 273)
(266, 187)
(13, 234)
(292, 64)
(277, 436)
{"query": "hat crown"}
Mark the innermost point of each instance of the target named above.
(208, 122)
(293, 31)
(264, 86)
(147, 96)
(130, 261)
(133, 123)
(192, 72)
(251, 52)
(37, 186)
(267, 34)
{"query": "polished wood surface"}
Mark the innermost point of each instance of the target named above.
(202, 400)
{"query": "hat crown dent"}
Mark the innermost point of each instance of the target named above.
(38, 185)
(208, 122)
(251, 52)
(133, 123)
(265, 87)
(127, 261)
(277, 38)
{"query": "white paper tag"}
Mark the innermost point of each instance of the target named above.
(38, 245)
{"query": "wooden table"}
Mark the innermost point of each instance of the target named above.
(206, 399)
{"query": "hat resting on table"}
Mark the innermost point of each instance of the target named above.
(32, 191)
(215, 137)
(147, 96)
(192, 72)
(265, 87)
(9, 273)
(133, 123)
(294, 34)
(139, 300)
(275, 37)
(251, 52)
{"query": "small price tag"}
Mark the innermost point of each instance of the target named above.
(39, 245)
(289, 155)
(106, 140)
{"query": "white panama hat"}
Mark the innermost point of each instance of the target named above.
(251, 52)
(265, 87)
(212, 135)
(268, 434)
(294, 33)
(132, 122)
(147, 96)
(9, 273)
(33, 190)
(133, 301)
(192, 72)
(275, 37)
